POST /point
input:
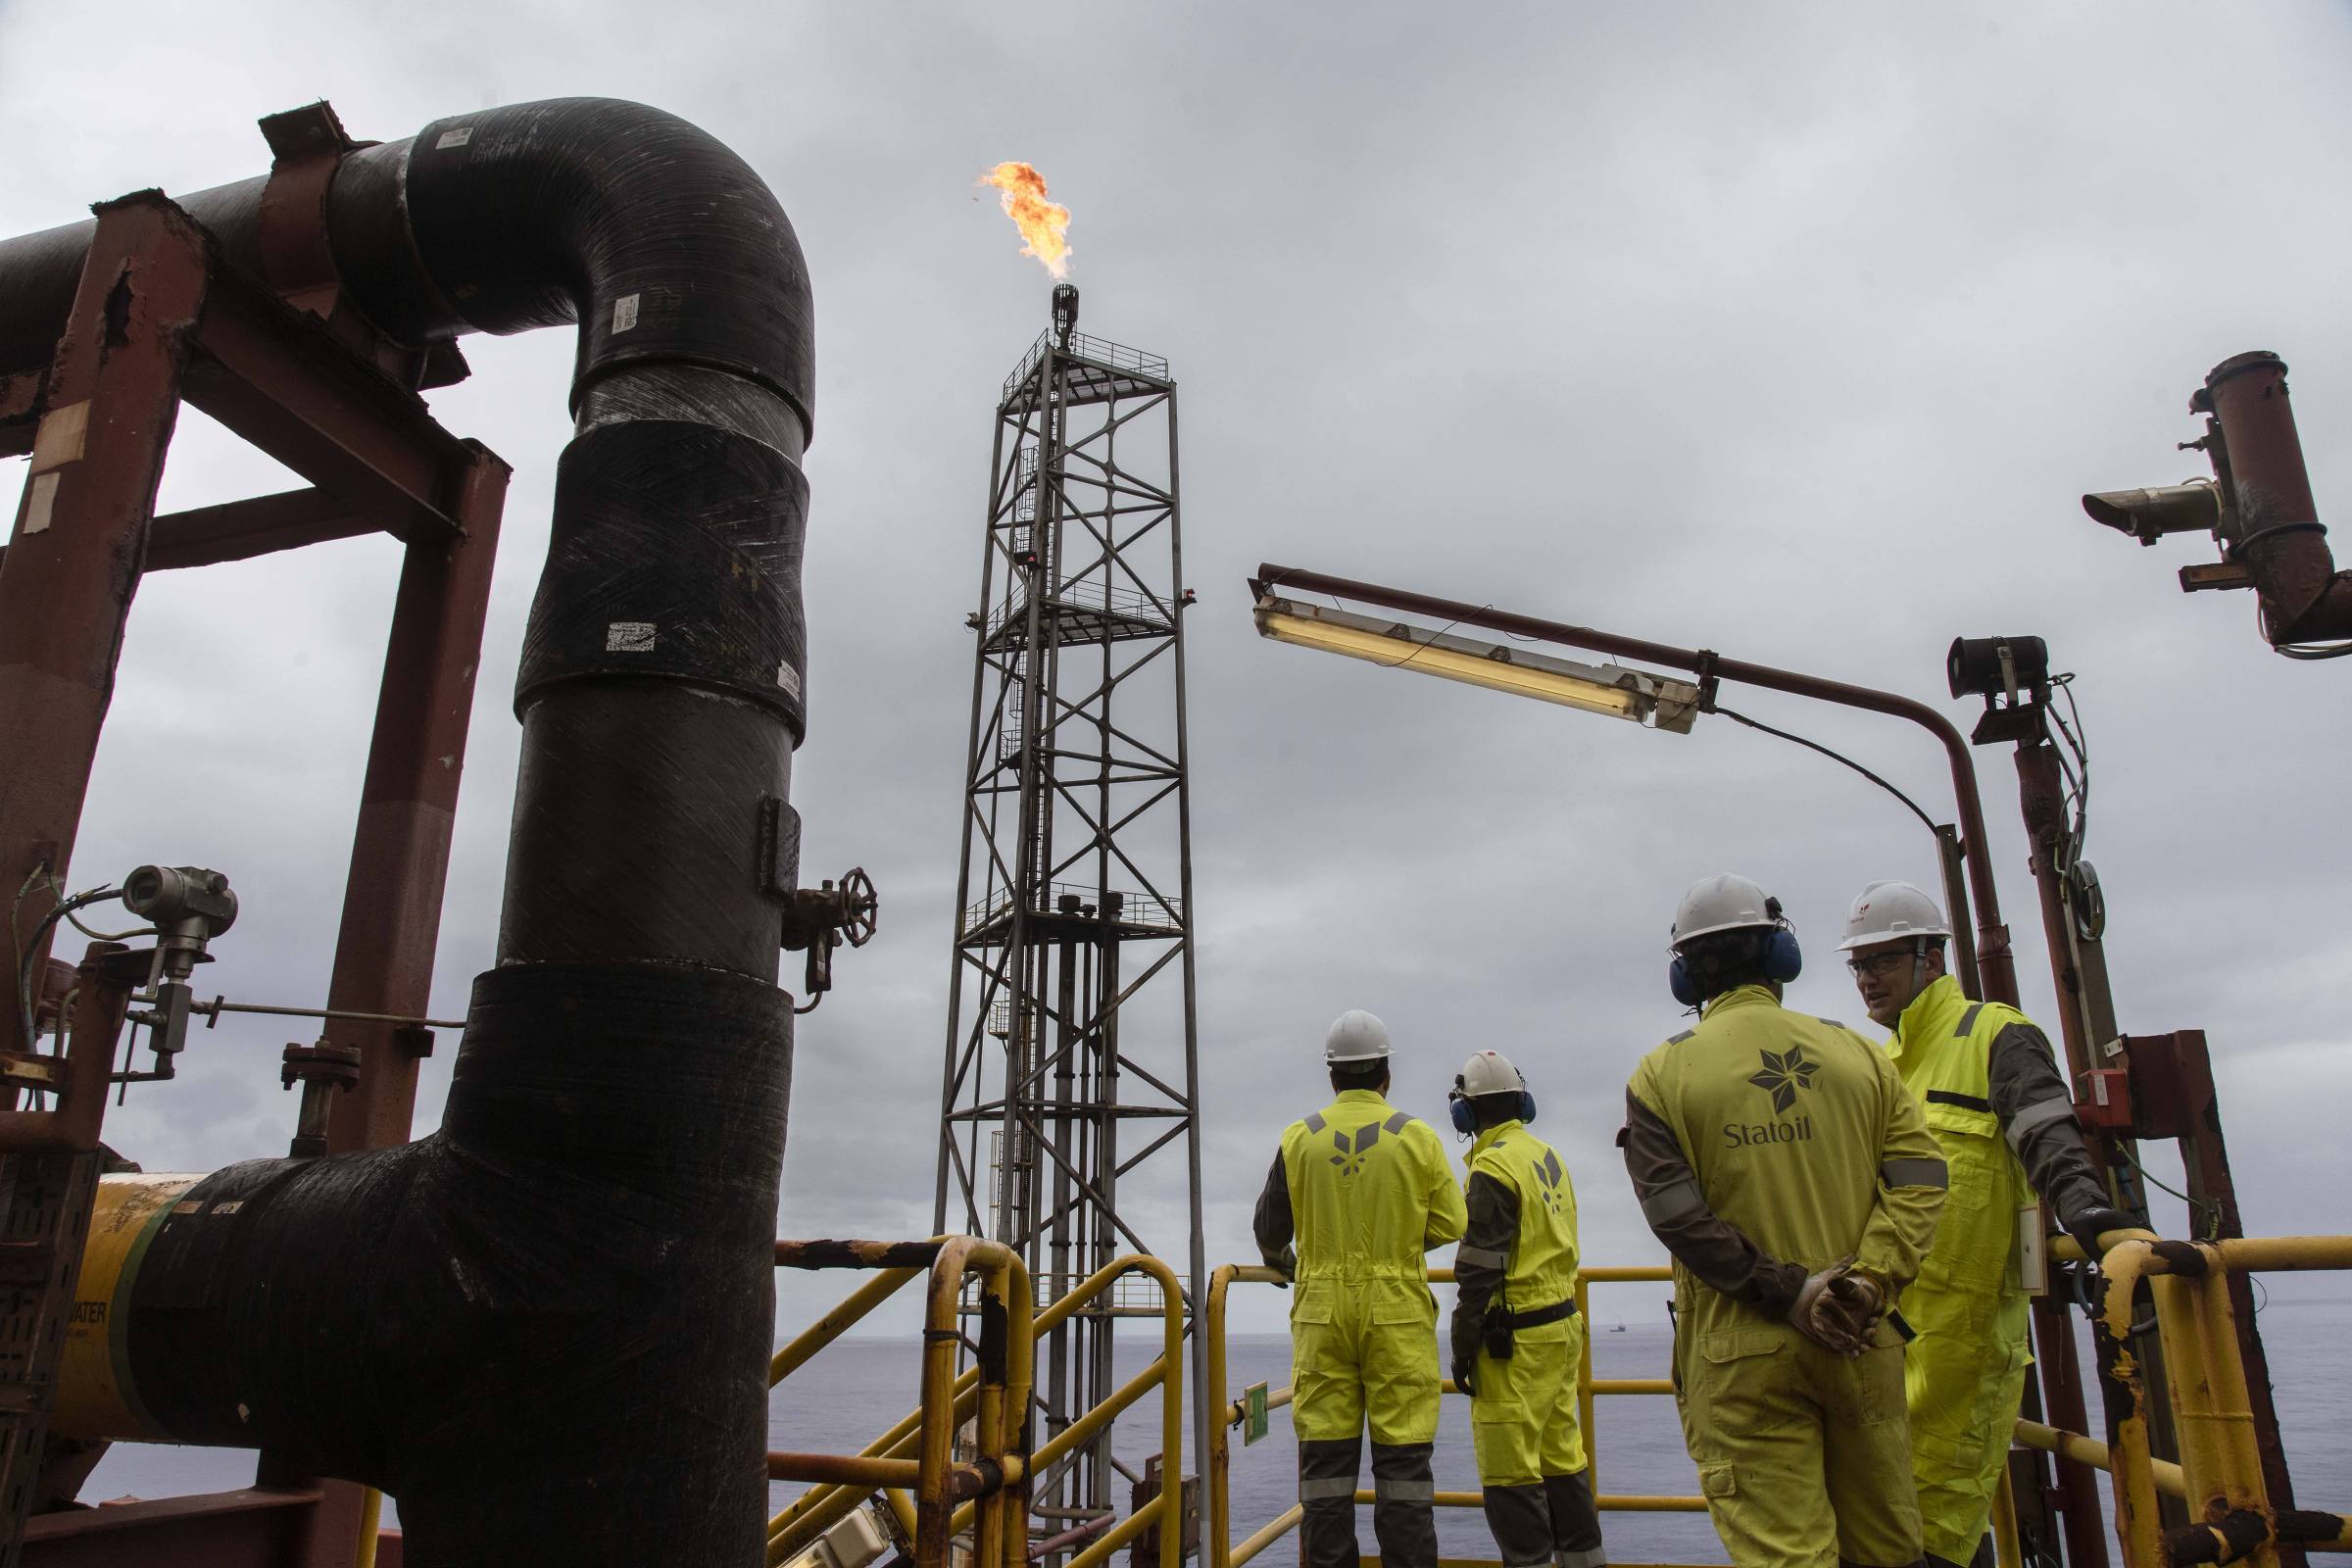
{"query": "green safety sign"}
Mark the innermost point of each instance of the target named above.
(1254, 1413)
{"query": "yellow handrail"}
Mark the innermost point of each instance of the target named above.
(2219, 1474)
(1220, 1549)
(995, 1393)
(1000, 1478)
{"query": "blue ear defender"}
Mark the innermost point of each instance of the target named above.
(1465, 1120)
(1783, 961)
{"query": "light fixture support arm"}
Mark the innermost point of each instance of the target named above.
(1996, 971)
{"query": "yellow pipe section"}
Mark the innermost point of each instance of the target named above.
(1283, 1525)
(1077, 1432)
(821, 1507)
(1585, 1390)
(830, 1327)
(902, 1509)
(2066, 1250)
(2007, 1553)
(2093, 1453)
(371, 1526)
(2139, 1528)
(1626, 1274)
(862, 1471)
(1632, 1504)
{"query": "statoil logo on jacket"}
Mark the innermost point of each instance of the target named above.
(1352, 1153)
(1782, 1074)
(1547, 1182)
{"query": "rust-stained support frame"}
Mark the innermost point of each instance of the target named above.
(2086, 1023)
(391, 923)
(237, 530)
(80, 528)
(160, 319)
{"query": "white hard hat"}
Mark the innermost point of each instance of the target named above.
(1357, 1035)
(1725, 903)
(1490, 1073)
(1891, 912)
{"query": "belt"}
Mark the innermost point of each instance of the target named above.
(1542, 1315)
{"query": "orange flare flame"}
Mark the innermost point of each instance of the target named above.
(1021, 190)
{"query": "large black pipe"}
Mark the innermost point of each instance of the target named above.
(544, 1329)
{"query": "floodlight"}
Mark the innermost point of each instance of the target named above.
(1621, 693)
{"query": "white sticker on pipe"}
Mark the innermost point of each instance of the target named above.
(453, 138)
(629, 637)
(624, 313)
(60, 436)
(789, 679)
(40, 498)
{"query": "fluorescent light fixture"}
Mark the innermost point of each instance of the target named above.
(1612, 689)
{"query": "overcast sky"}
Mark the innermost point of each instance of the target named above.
(1792, 333)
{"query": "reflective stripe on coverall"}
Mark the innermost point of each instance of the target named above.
(1519, 1250)
(1765, 1144)
(1965, 1372)
(1368, 1191)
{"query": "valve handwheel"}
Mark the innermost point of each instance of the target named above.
(860, 906)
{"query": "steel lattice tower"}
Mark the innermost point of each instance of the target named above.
(1071, 1050)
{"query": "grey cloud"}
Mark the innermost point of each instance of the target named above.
(1785, 332)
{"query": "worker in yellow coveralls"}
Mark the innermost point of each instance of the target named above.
(1518, 1344)
(1363, 1191)
(1992, 1096)
(1783, 1165)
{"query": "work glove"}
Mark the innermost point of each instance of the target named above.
(1822, 1315)
(1461, 1376)
(2089, 1224)
(1857, 1301)
(1287, 1265)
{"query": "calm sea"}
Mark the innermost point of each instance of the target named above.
(852, 1391)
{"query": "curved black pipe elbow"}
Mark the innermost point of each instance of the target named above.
(545, 1328)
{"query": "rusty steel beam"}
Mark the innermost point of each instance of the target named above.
(2086, 1023)
(237, 530)
(257, 1527)
(408, 809)
(278, 378)
(81, 526)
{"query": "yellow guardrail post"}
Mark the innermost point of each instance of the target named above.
(2138, 1527)
(2220, 1476)
(1584, 1385)
(1005, 1373)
